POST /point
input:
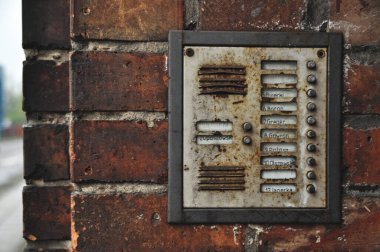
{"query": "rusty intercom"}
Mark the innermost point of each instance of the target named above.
(254, 127)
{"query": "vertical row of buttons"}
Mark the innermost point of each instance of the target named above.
(311, 121)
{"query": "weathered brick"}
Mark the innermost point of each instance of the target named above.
(137, 222)
(251, 15)
(357, 19)
(358, 232)
(46, 23)
(120, 151)
(106, 81)
(46, 150)
(46, 212)
(126, 20)
(361, 155)
(46, 86)
(362, 89)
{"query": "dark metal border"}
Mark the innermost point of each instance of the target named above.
(178, 214)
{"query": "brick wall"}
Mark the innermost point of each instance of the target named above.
(95, 94)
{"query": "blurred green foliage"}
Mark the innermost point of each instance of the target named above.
(13, 108)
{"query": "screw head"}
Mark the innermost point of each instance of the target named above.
(311, 120)
(311, 161)
(247, 126)
(311, 148)
(311, 79)
(189, 52)
(247, 140)
(311, 93)
(311, 64)
(310, 188)
(321, 53)
(311, 175)
(311, 134)
(311, 106)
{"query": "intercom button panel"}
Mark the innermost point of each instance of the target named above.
(246, 118)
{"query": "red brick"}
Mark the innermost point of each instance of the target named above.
(362, 89)
(46, 86)
(126, 20)
(107, 81)
(47, 212)
(358, 232)
(46, 23)
(361, 155)
(46, 154)
(251, 15)
(137, 222)
(357, 19)
(120, 151)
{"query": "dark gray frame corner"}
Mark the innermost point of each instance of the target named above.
(334, 44)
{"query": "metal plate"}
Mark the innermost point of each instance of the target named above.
(196, 170)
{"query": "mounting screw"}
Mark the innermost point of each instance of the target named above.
(311, 134)
(311, 161)
(247, 140)
(321, 53)
(311, 64)
(247, 126)
(310, 188)
(311, 148)
(311, 106)
(189, 52)
(311, 79)
(311, 120)
(311, 175)
(311, 93)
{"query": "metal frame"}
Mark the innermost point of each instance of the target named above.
(330, 214)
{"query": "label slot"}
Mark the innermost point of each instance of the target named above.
(279, 64)
(279, 79)
(278, 174)
(278, 120)
(279, 106)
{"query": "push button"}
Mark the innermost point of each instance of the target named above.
(311, 148)
(311, 93)
(311, 120)
(311, 79)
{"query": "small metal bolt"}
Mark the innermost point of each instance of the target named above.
(247, 140)
(311, 64)
(311, 120)
(311, 79)
(311, 106)
(310, 188)
(247, 126)
(311, 93)
(311, 134)
(311, 175)
(311, 161)
(321, 53)
(189, 52)
(311, 148)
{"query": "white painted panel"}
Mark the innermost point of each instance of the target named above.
(214, 126)
(278, 174)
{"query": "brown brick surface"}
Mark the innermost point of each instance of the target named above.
(362, 89)
(358, 232)
(357, 19)
(46, 152)
(46, 212)
(106, 81)
(137, 222)
(46, 23)
(126, 20)
(361, 155)
(120, 151)
(251, 15)
(46, 86)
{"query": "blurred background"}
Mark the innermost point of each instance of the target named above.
(11, 120)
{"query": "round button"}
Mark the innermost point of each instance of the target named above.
(311, 106)
(311, 64)
(311, 175)
(311, 93)
(311, 79)
(310, 188)
(247, 126)
(311, 148)
(311, 134)
(311, 120)
(247, 140)
(311, 161)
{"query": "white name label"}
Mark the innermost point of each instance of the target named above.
(214, 139)
(279, 147)
(284, 161)
(279, 120)
(278, 174)
(214, 126)
(278, 188)
(279, 106)
(276, 134)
